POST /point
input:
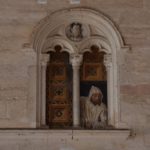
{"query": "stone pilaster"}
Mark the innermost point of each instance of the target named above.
(45, 59)
(108, 65)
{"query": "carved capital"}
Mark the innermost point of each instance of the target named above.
(76, 60)
(44, 59)
(107, 60)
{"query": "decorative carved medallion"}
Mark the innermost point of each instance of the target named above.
(74, 32)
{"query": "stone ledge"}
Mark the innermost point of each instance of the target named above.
(119, 133)
(47, 133)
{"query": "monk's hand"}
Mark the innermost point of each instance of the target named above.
(88, 125)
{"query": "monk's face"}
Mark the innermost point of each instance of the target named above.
(96, 98)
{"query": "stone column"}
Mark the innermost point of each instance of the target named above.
(108, 65)
(45, 59)
(76, 62)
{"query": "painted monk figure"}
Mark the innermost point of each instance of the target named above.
(95, 112)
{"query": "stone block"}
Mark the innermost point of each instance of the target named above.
(135, 32)
(31, 97)
(115, 4)
(16, 110)
(138, 90)
(19, 6)
(137, 42)
(13, 94)
(14, 69)
(147, 139)
(3, 110)
(133, 114)
(146, 4)
(10, 35)
(135, 67)
(135, 19)
(15, 123)
(5, 146)
(17, 59)
(13, 82)
(102, 5)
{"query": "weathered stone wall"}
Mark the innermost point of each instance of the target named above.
(17, 60)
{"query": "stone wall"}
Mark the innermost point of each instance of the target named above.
(18, 60)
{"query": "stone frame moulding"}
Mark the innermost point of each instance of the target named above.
(91, 28)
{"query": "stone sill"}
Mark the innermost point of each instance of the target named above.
(69, 134)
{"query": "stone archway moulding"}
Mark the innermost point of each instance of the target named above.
(76, 30)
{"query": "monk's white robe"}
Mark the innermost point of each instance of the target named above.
(94, 116)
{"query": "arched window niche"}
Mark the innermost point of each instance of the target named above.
(76, 30)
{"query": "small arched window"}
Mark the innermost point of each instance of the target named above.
(76, 31)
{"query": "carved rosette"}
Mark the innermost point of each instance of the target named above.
(76, 32)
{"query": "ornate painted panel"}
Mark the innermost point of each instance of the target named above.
(59, 99)
(93, 72)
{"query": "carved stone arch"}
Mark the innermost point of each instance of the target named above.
(82, 15)
(98, 41)
(92, 27)
(63, 43)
